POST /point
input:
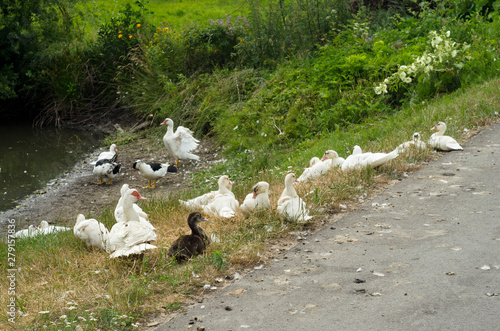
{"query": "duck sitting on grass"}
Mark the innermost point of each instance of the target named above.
(187, 246)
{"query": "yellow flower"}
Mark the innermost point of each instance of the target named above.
(120, 35)
(130, 37)
(138, 25)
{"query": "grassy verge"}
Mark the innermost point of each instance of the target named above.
(61, 283)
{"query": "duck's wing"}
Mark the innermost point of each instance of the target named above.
(378, 159)
(200, 201)
(80, 230)
(248, 204)
(452, 144)
(185, 140)
(136, 249)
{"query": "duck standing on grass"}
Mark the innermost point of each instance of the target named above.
(181, 143)
(187, 246)
(153, 171)
(441, 142)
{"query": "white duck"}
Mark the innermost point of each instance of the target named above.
(332, 159)
(414, 143)
(291, 207)
(31, 231)
(181, 143)
(119, 215)
(358, 159)
(111, 155)
(441, 142)
(153, 171)
(106, 169)
(224, 203)
(131, 236)
(257, 200)
(320, 167)
(91, 232)
(317, 169)
(225, 187)
(313, 161)
(46, 228)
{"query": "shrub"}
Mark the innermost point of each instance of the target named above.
(214, 46)
(438, 68)
(27, 30)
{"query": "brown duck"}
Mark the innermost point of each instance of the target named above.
(187, 246)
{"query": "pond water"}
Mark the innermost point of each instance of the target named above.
(29, 158)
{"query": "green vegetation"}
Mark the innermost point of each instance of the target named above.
(286, 82)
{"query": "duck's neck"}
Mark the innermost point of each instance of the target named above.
(357, 150)
(197, 230)
(130, 213)
(224, 190)
(440, 131)
(290, 189)
(170, 129)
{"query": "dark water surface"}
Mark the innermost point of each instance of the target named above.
(29, 158)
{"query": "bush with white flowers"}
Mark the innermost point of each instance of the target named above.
(443, 54)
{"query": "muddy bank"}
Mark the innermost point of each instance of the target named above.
(77, 190)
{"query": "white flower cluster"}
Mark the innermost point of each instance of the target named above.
(360, 30)
(441, 55)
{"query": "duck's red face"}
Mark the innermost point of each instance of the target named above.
(138, 196)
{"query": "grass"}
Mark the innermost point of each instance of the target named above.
(76, 286)
(174, 13)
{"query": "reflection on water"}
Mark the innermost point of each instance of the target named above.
(29, 158)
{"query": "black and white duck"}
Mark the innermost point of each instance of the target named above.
(153, 171)
(106, 168)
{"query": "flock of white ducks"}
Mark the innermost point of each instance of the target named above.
(133, 233)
